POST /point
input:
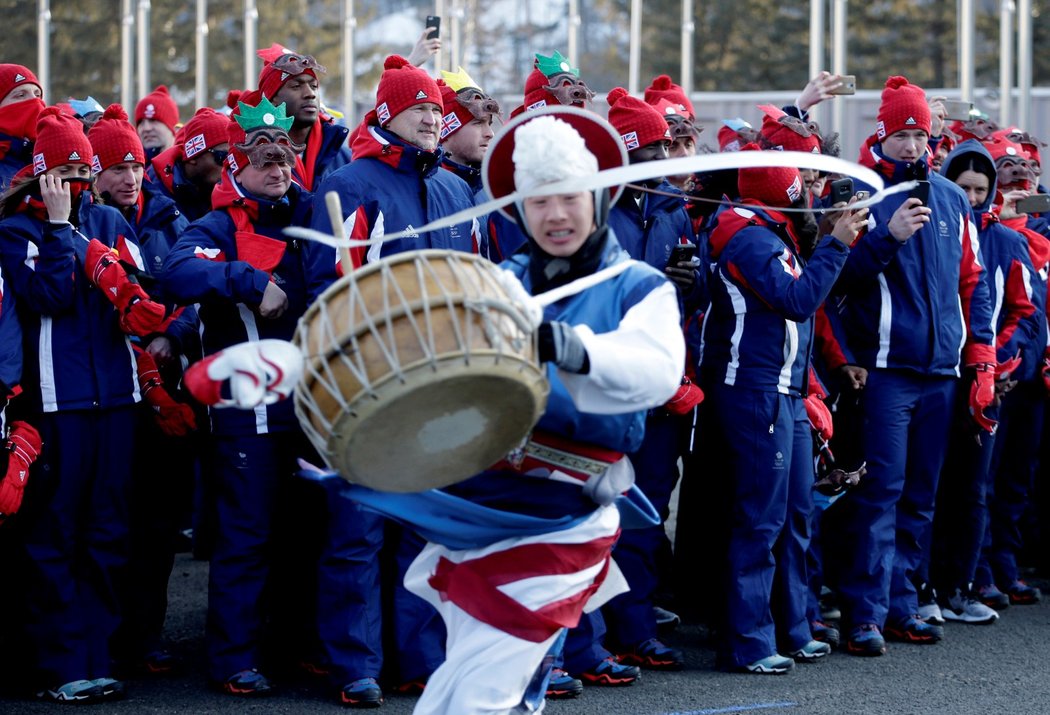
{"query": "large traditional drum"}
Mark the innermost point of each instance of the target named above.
(420, 371)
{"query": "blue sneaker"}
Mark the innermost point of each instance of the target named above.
(75, 691)
(912, 629)
(825, 633)
(247, 683)
(112, 689)
(812, 651)
(563, 686)
(362, 693)
(611, 672)
(866, 639)
(775, 664)
(653, 655)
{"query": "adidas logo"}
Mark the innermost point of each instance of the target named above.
(75, 156)
(19, 77)
(421, 94)
(129, 157)
(911, 122)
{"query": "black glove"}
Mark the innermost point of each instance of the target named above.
(560, 344)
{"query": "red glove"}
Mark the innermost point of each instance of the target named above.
(688, 396)
(819, 416)
(982, 394)
(23, 447)
(139, 315)
(1004, 369)
(1046, 370)
(175, 419)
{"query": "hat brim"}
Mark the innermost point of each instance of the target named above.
(497, 168)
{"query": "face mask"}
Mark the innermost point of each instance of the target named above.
(77, 186)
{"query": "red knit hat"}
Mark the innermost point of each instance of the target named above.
(281, 64)
(554, 71)
(60, 140)
(903, 107)
(114, 140)
(401, 86)
(12, 76)
(158, 105)
(663, 88)
(735, 133)
(775, 186)
(637, 123)
(786, 133)
(207, 128)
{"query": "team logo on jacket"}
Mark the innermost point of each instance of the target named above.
(421, 94)
(449, 123)
(778, 461)
(630, 140)
(195, 146)
(383, 113)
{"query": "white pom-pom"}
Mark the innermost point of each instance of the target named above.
(547, 150)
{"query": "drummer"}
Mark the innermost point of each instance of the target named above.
(612, 352)
(394, 182)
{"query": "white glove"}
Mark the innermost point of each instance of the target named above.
(259, 373)
(530, 308)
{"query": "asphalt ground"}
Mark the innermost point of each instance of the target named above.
(1002, 668)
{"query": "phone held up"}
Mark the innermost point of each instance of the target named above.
(1034, 204)
(435, 22)
(848, 86)
(841, 191)
(921, 192)
(683, 253)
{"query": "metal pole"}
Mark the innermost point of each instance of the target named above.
(816, 41)
(688, 37)
(349, 23)
(455, 59)
(966, 49)
(1006, 59)
(573, 30)
(439, 10)
(634, 59)
(201, 89)
(251, 23)
(1024, 64)
(127, 56)
(43, 47)
(142, 47)
(838, 58)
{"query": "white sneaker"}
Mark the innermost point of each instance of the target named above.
(964, 608)
(931, 613)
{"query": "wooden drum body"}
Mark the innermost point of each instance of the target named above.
(420, 372)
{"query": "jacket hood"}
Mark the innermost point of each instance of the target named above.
(960, 159)
(894, 172)
(733, 219)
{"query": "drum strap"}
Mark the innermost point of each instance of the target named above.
(544, 450)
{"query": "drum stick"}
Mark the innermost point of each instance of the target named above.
(335, 215)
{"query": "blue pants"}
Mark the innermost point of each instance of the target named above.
(770, 453)
(887, 519)
(350, 605)
(629, 616)
(75, 520)
(253, 481)
(1014, 462)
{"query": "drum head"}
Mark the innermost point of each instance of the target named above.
(417, 437)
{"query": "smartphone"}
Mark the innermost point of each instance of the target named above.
(921, 192)
(848, 86)
(682, 252)
(841, 190)
(958, 111)
(1034, 204)
(435, 22)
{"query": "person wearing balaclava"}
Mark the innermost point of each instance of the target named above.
(80, 386)
(20, 103)
(758, 336)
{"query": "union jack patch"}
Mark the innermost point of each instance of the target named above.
(630, 140)
(39, 164)
(536, 105)
(96, 165)
(383, 113)
(449, 123)
(195, 145)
